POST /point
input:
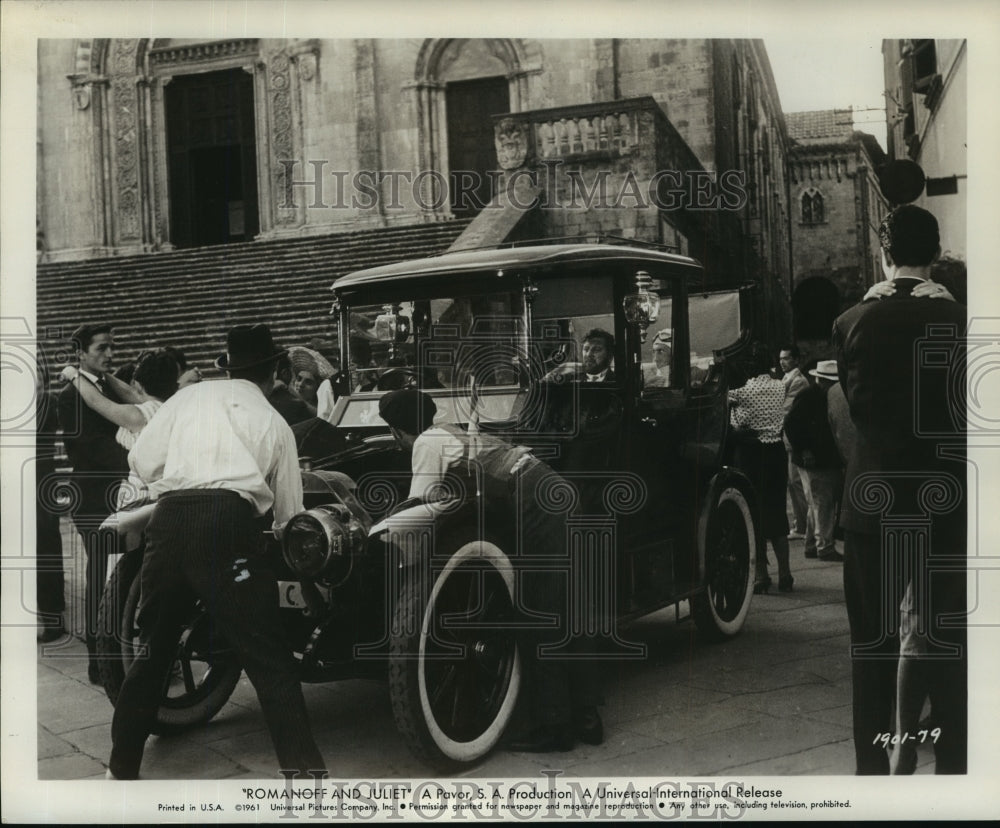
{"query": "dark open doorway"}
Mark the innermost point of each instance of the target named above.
(815, 304)
(471, 151)
(212, 158)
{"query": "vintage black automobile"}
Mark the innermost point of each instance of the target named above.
(426, 594)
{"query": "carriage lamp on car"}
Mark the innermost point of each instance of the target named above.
(642, 307)
(391, 325)
(322, 542)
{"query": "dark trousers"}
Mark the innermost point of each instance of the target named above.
(873, 592)
(561, 669)
(206, 545)
(96, 550)
(97, 492)
(50, 579)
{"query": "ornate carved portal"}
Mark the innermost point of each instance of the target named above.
(129, 77)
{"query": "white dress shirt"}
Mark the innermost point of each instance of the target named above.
(222, 435)
(96, 380)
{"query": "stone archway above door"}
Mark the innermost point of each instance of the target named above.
(443, 61)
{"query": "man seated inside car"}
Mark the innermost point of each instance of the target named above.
(598, 354)
(656, 374)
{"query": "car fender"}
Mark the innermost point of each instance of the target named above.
(410, 533)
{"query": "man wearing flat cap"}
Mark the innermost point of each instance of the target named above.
(565, 695)
(217, 458)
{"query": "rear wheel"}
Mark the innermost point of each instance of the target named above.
(203, 675)
(729, 543)
(454, 668)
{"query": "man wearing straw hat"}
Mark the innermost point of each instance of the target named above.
(217, 458)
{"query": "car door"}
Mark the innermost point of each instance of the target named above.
(674, 431)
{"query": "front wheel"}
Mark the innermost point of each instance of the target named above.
(729, 544)
(454, 667)
(203, 675)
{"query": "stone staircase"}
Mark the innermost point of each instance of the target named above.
(190, 298)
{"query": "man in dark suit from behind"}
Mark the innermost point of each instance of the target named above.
(99, 463)
(904, 488)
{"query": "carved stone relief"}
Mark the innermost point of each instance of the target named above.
(279, 85)
(307, 66)
(212, 52)
(125, 111)
(511, 143)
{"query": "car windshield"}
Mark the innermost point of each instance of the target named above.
(439, 343)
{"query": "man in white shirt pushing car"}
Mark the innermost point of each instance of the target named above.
(217, 457)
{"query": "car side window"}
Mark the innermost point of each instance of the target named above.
(658, 359)
(573, 326)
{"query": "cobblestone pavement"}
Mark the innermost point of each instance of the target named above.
(774, 701)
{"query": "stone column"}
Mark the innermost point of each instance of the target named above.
(368, 135)
(159, 173)
(89, 97)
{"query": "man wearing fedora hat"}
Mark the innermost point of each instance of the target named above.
(217, 458)
(814, 453)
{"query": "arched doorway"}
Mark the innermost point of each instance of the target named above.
(815, 304)
(472, 156)
(460, 85)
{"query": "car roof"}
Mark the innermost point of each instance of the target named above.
(507, 258)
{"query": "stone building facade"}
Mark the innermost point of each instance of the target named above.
(149, 145)
(837, 207)
(926, 83)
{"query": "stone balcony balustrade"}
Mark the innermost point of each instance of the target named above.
(603, 130)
